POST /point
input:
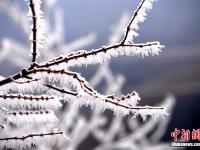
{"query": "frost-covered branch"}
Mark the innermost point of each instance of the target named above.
(84, 90)
(31, 136)
(21, 118)
(30, 96)
(138, 17)
(26, 81)
(34, 31)
(37, 28)
(139, 133)
(102, 54)
(29, 101)
(61, 90)
(20, 142)
(96, 56)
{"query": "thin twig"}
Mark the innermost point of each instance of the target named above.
(131, 21)
(31, 136)
(14, 113)
(61, 90)
(23, 82)
(34, 31)
(85, 54)
(25, 97)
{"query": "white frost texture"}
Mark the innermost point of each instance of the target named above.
(46, 102)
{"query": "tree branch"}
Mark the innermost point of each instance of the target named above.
(31, 136)
(89, 90)
(85, 87)
(61, 90)
(84, 54)
(25, 97)
(131, 21)
(23, 82)
(34, 31)
(74, 56)
(14, 113)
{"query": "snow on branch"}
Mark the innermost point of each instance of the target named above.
(123, 105)
(31, 95)
(21, 118)
(102, 54)
(31, 139)
(61, 90)
(138, 17)
(38, 27)
(139, 137)
(28, 101)
(26, 81)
